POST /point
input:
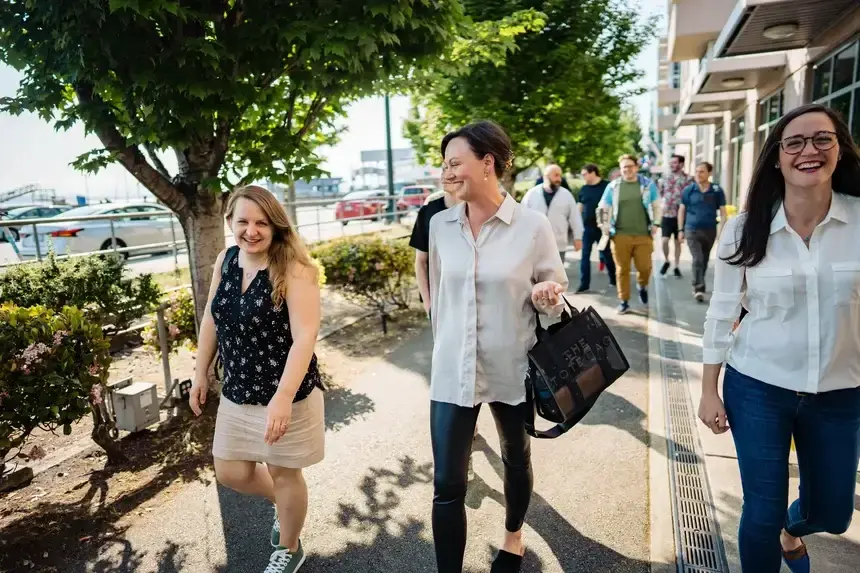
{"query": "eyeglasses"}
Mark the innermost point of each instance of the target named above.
(822, 141)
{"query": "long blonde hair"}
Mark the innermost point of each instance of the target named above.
(287, 248)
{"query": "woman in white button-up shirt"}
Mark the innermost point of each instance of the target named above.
(793, 365)
(492, 263)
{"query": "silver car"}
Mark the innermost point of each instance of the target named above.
(29, 212)
(95, 235)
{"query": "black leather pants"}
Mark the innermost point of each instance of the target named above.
(451, 430)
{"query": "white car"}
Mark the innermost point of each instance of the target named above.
(76, 237)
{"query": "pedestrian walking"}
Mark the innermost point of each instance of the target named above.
(557, 203)
(701, 201)
(629, 207)
(793, 365)
(493, 263)
(420, 241)
(671, 190)
(263, 315)
(589, 198)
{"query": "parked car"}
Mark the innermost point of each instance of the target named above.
(29, 212)
(357, 204)
(95, 235)
(413, 196)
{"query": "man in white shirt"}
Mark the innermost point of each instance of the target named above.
(559, 206)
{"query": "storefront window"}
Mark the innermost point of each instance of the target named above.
(855, 121)
(836, 84)
(718, 154)
(821, 79)
(843, 68)
(770, 110)
(739, 131)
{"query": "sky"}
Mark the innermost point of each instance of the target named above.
(32, 152)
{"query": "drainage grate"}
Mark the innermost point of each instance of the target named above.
(697, 534)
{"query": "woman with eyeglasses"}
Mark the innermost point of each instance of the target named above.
(793, 365)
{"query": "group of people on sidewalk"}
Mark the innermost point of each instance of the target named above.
(487, 264)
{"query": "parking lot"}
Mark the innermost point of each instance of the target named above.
(314, 223)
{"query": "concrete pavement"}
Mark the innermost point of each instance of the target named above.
(830, 554)
(602, 500)
(371, 497)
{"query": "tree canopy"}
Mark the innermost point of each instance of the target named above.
(236, 90)
(570, 66)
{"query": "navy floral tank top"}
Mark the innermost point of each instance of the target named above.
(254, 339)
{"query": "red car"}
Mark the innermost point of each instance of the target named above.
(413, 197)
(356, 204)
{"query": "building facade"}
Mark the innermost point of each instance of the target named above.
(730, 69)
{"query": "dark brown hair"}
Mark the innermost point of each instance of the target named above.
(767, 187)
(485, 138)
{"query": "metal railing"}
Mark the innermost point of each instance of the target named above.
(307, 215)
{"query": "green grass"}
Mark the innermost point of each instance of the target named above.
(172, 279)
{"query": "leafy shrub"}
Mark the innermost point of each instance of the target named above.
(371, 271)
(97, 285)
(180, 322)
(53, 369)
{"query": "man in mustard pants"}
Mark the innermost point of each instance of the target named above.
(628, 210)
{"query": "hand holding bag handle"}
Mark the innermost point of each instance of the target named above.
(545, 338)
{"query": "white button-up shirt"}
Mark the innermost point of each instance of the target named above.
(563, 213)
(802, 332)
(480, 290)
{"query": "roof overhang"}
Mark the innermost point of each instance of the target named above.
(801, 21)
(704, 118)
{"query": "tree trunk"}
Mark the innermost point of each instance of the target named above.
(204, 232)
(101, 434)
(291, 204)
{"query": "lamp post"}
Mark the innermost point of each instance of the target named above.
(390, 160)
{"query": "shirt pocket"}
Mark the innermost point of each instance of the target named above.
(773, 286)
(846, 277)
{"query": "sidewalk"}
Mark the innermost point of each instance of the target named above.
(830, 554)
(372, 496)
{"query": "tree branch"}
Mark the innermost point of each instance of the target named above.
(288, 120)
(220, 143)
(130, 156)
(156, 161)
(316, 105)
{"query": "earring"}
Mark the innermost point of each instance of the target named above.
(486, 174)
(777, 165)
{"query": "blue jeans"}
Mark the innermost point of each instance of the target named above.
(826, 430)
(590, 236)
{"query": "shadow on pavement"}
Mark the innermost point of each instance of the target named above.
(574, 551)
(83, 535)
(343, 406)
(396, 544)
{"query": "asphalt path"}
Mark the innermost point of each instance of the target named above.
(370, 499)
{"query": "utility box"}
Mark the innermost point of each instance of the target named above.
(135, 406)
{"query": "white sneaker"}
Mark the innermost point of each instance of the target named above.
(282, 561)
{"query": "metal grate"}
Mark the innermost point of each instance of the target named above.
(698, 541)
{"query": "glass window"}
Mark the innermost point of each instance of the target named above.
(855, 122)
(821, 78)
(842, 104)
(843, 68)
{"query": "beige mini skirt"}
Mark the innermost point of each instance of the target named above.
(239, 432)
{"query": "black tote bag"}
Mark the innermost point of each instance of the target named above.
(571, 364)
